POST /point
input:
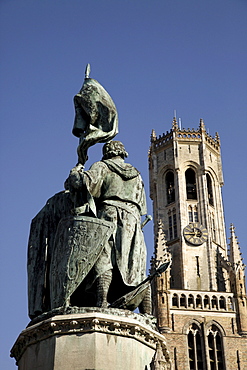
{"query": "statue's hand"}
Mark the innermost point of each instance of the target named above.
(74, 181)
(78, 168)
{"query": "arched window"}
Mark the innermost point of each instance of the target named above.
(182, 301)
(198, 301)
(191, 301)
(230, 304)
(206, 301)
(195, 348)
(215, 348)
(214, 303)
(170, 188)
(210, 190)
(222, 303)
(175, 300)
(190, 178)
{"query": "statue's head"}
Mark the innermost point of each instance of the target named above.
(114, 149)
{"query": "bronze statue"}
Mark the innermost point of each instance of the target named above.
(86, 246)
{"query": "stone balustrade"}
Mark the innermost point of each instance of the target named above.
(207, 301)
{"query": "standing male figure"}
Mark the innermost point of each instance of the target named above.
(118, 192)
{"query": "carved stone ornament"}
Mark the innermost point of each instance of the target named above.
(160, 360)
(79, 324)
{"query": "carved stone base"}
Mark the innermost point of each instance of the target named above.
(90, 341)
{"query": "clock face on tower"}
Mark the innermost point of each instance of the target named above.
(195, 233)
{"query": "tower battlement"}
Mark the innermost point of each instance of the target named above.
(189, 135)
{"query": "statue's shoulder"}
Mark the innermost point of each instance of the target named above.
(123, 169)
(98, 165)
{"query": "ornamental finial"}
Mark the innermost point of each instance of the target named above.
(87, 70)
(153, 135)
(202, 124)
(175, 123)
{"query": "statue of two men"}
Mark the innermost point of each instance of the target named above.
(86, 246)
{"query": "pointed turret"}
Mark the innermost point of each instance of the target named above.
(234, 252)
(161, 251)
(161, 295)
(237, 278)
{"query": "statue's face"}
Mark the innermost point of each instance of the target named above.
(95, 110)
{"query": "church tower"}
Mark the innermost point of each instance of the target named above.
(201, 302)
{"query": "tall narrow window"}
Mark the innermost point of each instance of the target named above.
(170, 228)
(197, 266)
(190, 177)
(210, 190)
(190, 214)
(195, 214)
(191, 348)
(195, 348)
(213, 228)
(170, 189)
(172, 223)
(215, 348)
(175, 230)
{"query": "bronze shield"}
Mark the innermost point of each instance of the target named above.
(78, 243)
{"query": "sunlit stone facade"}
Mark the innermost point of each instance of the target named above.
(200, 303)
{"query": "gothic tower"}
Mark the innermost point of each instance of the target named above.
(201, 302)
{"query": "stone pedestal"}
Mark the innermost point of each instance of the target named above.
(91, 341)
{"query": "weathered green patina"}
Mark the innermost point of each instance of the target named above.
(96, 118)
(86, 246)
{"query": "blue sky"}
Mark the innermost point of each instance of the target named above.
(152, 57)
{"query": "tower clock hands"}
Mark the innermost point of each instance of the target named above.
(195, 234)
